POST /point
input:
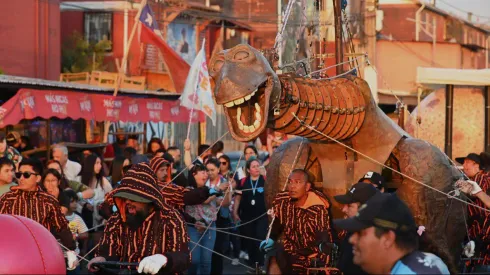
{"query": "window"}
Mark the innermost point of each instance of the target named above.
(98, 27)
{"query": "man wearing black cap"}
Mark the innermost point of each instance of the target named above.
(385, 239)
(357, 195)
(478, 218)
(375, 179)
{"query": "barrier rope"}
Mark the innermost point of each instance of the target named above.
(226, 257)
(221, 204)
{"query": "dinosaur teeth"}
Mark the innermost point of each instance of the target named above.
(239, 101)
(249, 128)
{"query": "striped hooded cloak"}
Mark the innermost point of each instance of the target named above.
(163, 231)
(174, 195)
(302, 228)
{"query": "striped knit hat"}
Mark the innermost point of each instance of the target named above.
(157, 162)
(139, 181)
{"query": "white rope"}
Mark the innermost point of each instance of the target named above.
(226, 257)
(284, 23)
(384, 80)
(229, 233)
(192, 163)
(91, 250)
(81, 257)
(383, 165)
(336, 76)
(333, 66)
(95, 227)
(217, 211)
(242, 224)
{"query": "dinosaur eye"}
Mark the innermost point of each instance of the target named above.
(216, 67)
(241, 55)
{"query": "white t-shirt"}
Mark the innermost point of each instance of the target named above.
(77, 226)
(71, 170)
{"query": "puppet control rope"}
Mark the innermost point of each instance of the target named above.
(217, 211)
(284, 187)
(385, 166)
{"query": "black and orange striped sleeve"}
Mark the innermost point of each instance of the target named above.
(59, 225)
(173, 195)
(110, 242)
(4, 203)
(176, 244)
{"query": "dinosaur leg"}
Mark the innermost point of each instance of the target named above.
(442, 216)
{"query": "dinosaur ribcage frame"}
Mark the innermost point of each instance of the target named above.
(334, 107)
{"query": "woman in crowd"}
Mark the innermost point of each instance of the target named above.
(9, 151)
(52, 182)
(249, 209)
(92, 176)
(225, 166)
(116, 173)
(222, 242)
(226, 172)
(154, 145)
(249, 152)
(200, 217)
(82, 191)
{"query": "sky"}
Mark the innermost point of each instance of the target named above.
(462, 7)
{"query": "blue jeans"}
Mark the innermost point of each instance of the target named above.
(201, 257)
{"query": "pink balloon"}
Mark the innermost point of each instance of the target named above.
(27, 247)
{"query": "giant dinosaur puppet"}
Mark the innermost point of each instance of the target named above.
(255, 98)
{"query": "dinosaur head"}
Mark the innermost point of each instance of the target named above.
(248, 89)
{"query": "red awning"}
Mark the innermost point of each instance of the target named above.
(31, 103)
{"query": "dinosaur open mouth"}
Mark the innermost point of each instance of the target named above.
(247, 116)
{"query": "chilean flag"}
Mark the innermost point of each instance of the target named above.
(150, 33)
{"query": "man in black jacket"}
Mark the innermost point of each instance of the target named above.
(357, 195)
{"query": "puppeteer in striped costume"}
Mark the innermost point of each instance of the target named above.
(302, 221)
(178, 196)
(28, 200)
(145, 229)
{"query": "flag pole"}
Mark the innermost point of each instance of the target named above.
(191, 113)
(194, 95)
(121, 71)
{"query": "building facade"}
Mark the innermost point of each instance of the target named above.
(30, 35)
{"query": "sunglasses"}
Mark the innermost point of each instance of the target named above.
(25, 174)
(224, 162)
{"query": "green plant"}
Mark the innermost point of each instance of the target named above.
(1, 71)
(78, 55)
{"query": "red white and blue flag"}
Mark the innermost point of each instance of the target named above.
(150, 34)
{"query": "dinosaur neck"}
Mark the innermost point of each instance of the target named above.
(336, 108)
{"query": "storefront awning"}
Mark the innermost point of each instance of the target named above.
(31, 103)
(440, 76)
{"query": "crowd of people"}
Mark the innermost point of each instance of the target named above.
(149, 209)
(82, 196)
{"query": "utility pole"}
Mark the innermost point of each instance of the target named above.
(339, 45)
(369, 31)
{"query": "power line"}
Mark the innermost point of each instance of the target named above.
(461, 10)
